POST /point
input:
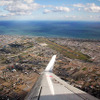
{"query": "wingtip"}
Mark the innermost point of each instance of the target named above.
(50, 66)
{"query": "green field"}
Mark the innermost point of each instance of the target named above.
(66, 51)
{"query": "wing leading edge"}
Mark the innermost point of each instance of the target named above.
(51, 87)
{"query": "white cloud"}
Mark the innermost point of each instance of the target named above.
(91, 7)
(78, 5)
(94, 17)
(71, 16)
(3, 3)
(29, 1)
(79, 9)
(57, 9)
(91, 16)
(60, 9)
(17, 7)
(23, 13)
(20, 7)
(47, 11)
(3, 15)
(6, 15)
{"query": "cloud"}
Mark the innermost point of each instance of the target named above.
(8, 2)
(3, 15)
(70, 16)
(94, 17)
(29, 1)
(92, 7)
(3, 3)
(57, 9)
(17, 7)
(47, 11)
(6, 15)
(78, 5)
(20, 7)
(91, 16)
(61, 9)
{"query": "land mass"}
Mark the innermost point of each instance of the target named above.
(23, 58)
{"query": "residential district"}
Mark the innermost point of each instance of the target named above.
(23, 58)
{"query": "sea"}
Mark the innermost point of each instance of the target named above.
(60, 29)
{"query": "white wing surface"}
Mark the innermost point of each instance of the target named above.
(51, 87)
(50, 66)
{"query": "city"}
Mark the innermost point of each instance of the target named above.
(23, 58)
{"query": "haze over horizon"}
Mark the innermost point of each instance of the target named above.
(73, 10)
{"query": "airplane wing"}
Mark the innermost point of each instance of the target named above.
(51, 87)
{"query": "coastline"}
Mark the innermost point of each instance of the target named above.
(70, 38)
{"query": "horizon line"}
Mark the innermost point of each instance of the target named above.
(56, 20)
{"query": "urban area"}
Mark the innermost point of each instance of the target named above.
(23, 58)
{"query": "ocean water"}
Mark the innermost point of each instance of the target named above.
(66, 29)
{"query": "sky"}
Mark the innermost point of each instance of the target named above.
(57, 10)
